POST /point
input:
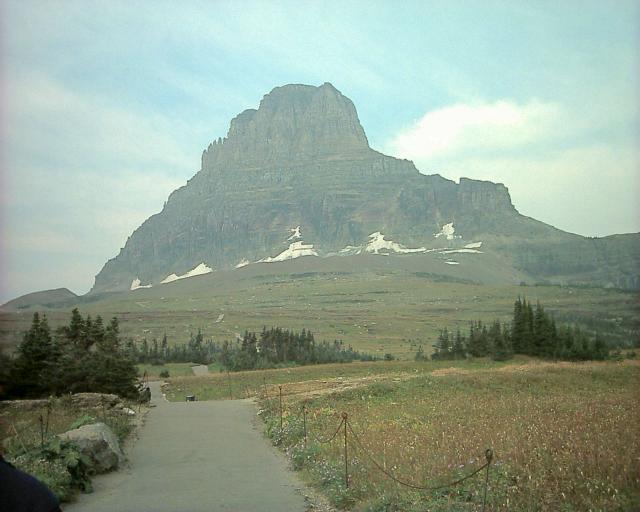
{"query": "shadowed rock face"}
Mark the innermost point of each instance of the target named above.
(302, 159)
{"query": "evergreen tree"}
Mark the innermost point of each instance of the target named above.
(164, 347)
(144, 351)
(76, 359)
(442, 346)
(528, 343)
(112, 335)
(600, 351)
(76, 327)
(36, 360)
(154, 352)
(501, 344)
(459, 351)
(518, 327)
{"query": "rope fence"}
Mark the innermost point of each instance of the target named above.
(349, 433)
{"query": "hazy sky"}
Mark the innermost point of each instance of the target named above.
(107, 106)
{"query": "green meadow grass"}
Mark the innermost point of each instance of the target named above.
(174, 369)
(376, 312)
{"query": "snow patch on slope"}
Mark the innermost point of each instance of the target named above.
(447, 232)
(295, 234)
(136, 284)
(351, 249)
(468, 251)
(295, 250)
(196, 271)
(243, 263)
(377, 244)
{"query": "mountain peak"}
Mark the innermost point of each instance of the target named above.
(294, 123)
(301, 163)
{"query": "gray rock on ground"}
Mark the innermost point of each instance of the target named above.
(99, 444)
(85, 400)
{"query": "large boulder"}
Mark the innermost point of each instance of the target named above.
(99, 444)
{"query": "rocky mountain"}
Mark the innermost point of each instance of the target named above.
(296, 177)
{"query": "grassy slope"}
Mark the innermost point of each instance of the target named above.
(376, 304)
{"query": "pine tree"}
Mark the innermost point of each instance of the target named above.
(155, 351)
(76, 327)
(112, 333)
(144, 351)
(36, 360)
(459, 351)
(600, 351)
(164, 347)
(443, 346)
(478, 343)
(528, 344)
(518, 327)
(501, 346)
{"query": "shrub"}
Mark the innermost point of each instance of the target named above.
(59, 465)
(80, 421)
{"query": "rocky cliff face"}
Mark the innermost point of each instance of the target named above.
(302, 159)
(294, 124)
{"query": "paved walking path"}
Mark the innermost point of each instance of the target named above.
(198, 456)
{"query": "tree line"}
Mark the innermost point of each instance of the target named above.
(196, 350)
(276, 346)
(532, 332)
(88, 356)
(273, 347)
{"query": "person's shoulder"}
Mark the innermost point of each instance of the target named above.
(19, 491)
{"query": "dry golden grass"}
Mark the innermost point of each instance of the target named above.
(565, 435)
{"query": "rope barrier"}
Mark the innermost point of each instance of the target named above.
(348, 428)
(488, 455)
(327, 441)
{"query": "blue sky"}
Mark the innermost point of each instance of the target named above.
(107, 106)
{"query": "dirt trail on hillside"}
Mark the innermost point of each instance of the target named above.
(198, 456)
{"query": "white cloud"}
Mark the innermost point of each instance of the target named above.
(555, 172)
(590, 190)
(476, 127)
